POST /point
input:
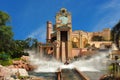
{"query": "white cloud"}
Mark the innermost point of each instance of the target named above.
(112, 4)
(111, 12)
(39, 34)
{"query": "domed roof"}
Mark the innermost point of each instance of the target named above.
(63, 10)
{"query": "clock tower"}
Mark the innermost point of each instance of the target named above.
(63, 30)
(63, 18)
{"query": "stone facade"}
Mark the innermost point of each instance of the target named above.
(81, 38)
(62, 42)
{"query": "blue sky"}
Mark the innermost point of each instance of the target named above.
(28, 17)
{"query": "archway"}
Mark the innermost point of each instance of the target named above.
(75, 42)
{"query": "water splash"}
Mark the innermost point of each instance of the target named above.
(114, 47)
(97, 62)
(70, 66)
(44, 64)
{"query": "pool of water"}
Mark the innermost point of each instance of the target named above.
(45, 75)
(94, 75)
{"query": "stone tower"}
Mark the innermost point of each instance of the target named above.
(63, 43)
(63, 29)
(49, 31)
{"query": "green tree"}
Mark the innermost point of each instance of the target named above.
(97, 38)
(8, 46)
(115, 34)
(6, 34)
(17, 48)
(4, 18)
(114, 31)
(30, 43)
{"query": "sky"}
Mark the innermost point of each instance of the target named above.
(29, 17)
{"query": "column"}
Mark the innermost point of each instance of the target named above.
(81, 45)
(58, 46)
(69, 45)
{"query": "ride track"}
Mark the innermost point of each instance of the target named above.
(71, 74)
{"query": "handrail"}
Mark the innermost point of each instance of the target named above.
(83, 75)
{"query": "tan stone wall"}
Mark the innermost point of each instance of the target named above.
(98, 43)
(84, 37)
(106, 33)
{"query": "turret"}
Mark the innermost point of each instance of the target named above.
(49, 31)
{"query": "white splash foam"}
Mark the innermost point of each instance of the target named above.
(44, 64)
(95, 63)
(69, 66)
(90, 69)
(114, 47)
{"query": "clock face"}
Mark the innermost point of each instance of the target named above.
(63, 19)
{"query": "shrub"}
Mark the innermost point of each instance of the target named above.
(4, 56)
(23, 77)
(16, 58)
(6, 62)
(19, 54)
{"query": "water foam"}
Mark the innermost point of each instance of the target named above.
(95, 63)
(114, 47)
(44, 64)
(69, 66)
